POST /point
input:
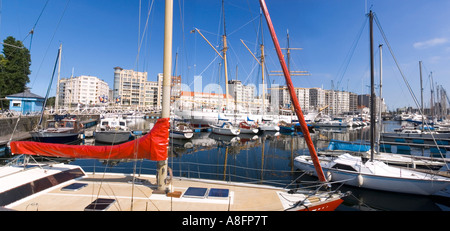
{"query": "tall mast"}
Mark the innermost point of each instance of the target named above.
(225, 48)
(294, 98)
(263, 85)
(262, 67)
(380, 47)
(372, 90)
(421, 94)
(59, 76)
(167, 78)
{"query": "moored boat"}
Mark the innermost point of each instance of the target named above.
(248, 128)
(225, 128)
(62, 131)
(181, 130)
(112, 130)
(352, 170)
(269, 125)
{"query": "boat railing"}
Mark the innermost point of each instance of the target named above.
(318, 185)
(25, 161)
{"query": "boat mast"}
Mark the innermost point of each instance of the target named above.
(372, 90)
(48, 89)
(167, 78)
(380, 47)
(294, 98)
(263, 85)
(421, 95)
(59, 76)
(224, 50)
(260, 62)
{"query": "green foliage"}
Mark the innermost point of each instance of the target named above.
(15, 64)
(51, 101)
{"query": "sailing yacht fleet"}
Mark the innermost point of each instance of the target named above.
(66, 187)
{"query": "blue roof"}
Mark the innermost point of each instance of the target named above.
(25, 94)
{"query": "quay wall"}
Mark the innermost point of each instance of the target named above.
(28, 123)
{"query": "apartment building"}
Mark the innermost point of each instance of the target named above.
(243, 95)
(303, 97)
(326, 101)
(317, 99)
(82, 89)
(338, 102)
(129, 87)
(201, 100)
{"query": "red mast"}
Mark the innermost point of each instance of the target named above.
(294, 98)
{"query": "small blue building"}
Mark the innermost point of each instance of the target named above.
(25, 102)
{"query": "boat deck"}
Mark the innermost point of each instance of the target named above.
(141, 197)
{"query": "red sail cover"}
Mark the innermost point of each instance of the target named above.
(152, 146)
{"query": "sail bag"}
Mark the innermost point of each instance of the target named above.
(152, 146)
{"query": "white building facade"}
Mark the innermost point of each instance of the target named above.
(88, 90)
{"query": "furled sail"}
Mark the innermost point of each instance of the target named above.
(152, 146)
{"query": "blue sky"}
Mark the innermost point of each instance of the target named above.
(98, 35)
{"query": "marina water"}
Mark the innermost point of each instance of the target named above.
(267, 159)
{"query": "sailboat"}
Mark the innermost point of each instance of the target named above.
(374, 174)
(27, 185)
(249, 127)
(181, 130)
(225, 127)
(62, 131)
(112, 129)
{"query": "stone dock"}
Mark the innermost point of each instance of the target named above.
(18, 128)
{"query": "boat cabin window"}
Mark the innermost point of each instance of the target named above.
(105, 123)
(121, 123)
(344, 167)
(69, 124)
(51, 124)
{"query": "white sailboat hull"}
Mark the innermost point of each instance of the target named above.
(181, 135)
(248, 131)
(225, 131)
(382, 177)
(274, 128)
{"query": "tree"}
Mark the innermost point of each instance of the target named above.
(51, 101)
(15, 62)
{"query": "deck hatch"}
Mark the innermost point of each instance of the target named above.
(100, 204)
(218, 193)
(195, 192)
(74, 187)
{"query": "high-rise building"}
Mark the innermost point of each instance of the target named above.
(243, 95)
(317, 98)
(129, 87)
(303, 97)
(82, 89)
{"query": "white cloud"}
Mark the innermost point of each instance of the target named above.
(430, 43)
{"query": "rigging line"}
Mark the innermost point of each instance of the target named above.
(51, 40)
(237, 57)
(351, 52)
(403, 76)
(397, 64)
(199, 75)
(143, 35)
(257, 17)
(182, 25)
(35, 24)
